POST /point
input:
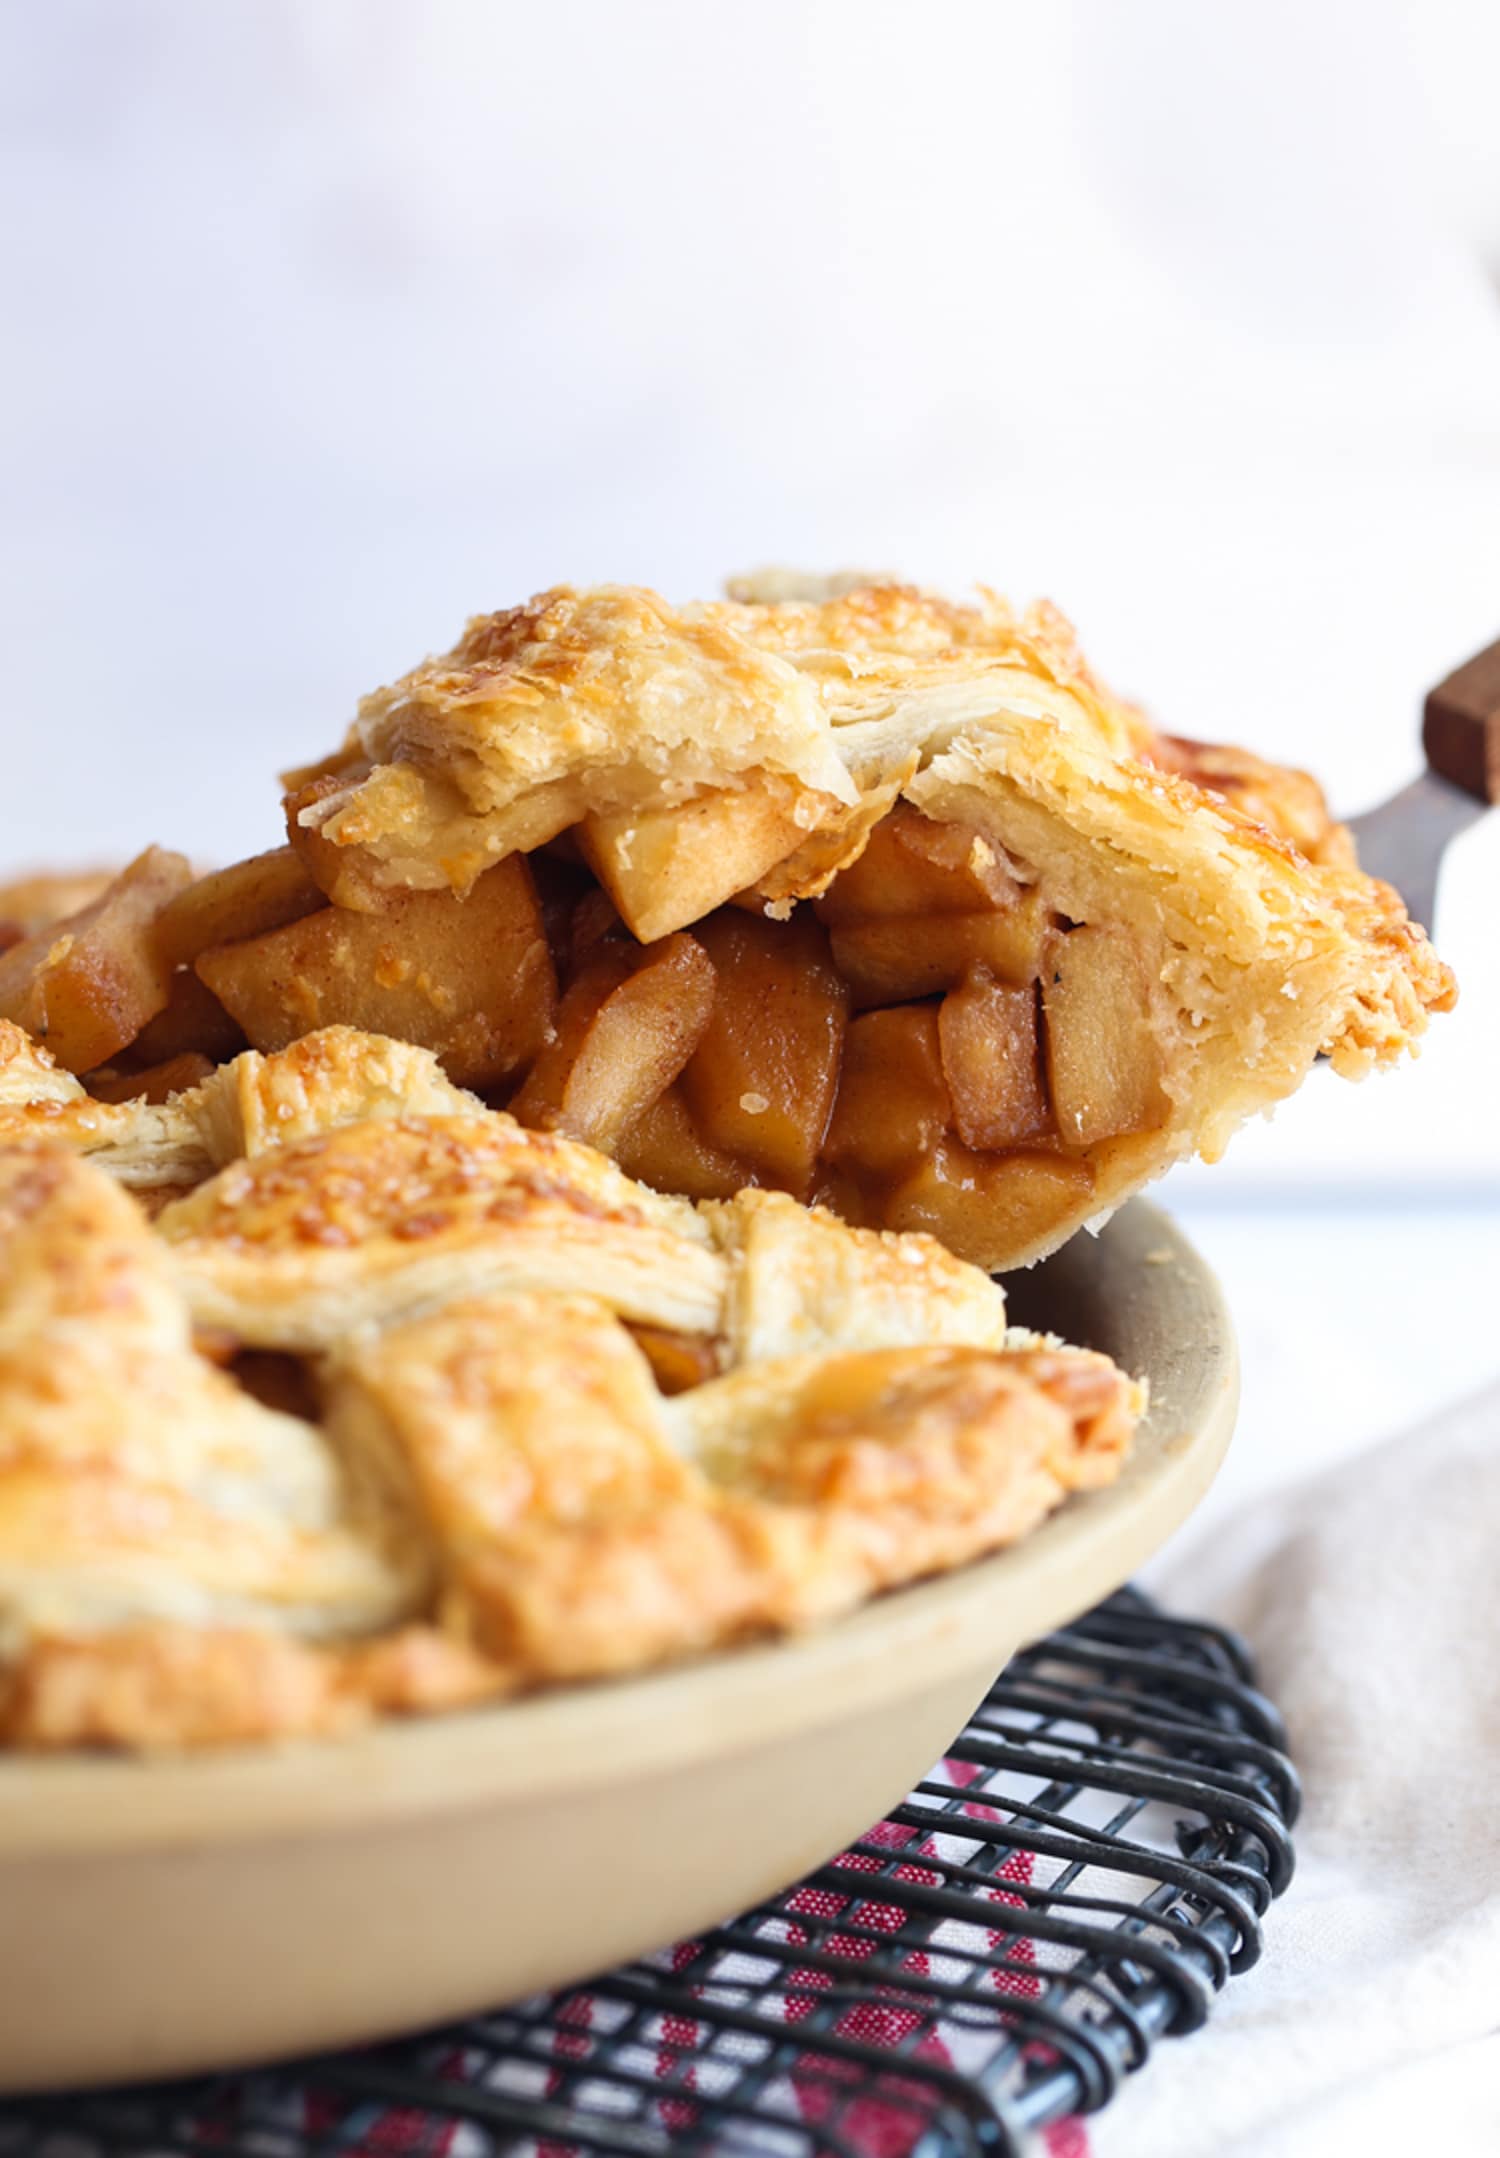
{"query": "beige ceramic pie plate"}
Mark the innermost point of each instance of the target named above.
(169, 1916)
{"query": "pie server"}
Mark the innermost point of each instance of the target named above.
(1404, 840)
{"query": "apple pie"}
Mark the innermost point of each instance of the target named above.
(402, 1407)
(477, 1243)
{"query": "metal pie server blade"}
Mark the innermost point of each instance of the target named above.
(1404, 840)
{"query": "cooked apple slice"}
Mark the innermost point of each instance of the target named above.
(677, 1361)
(665, 868)
(924, 904)
(594, 920)
(342, 874)
(1104, 1064)
(274, 1379)
(246, 900)
(666, 1150)
(539, 1101)
(28, 904)
(891, 959)
(980, 1204)
(913, 864)
(992, 1062)
(470, 979)
(192, 1022)
(893, 1103)
(563, 890)
(86, 985)
(761, 1083)
(155, 1082)
(626, 1028)
(837, 842)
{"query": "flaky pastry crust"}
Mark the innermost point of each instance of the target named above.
(371, 1221)
(593, 1526)
(137, 1482)
(161, 1149)
(496, 1490)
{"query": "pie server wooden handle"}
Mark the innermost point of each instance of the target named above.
(1405, 839)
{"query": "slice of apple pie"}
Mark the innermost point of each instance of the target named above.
(856, 893)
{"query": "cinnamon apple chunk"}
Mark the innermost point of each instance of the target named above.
(893, 1103)
(895, 1155)
(85, 986)
(539, 1101)
(678, 1361)
(988, 1036)
(625, 1028)
(1104, 1062)
(983, 1205)
(471, 979)
(666, 1150)
(913, 864)
(152, 1082)
(342, 874)
(924, 904)
(893, 959)
(229, 905)
(760, 1085)
(667, 867)
(192, 1022)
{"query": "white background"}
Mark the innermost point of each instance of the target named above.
(328, 323)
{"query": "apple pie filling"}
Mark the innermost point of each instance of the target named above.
(923, 1044)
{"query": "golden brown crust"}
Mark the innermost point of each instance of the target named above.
(483, 1491)
(1287, 802)
(577, 701)
(335, 1076)
(818, 1483)
(161, 1149)
(587, 1526)
(169, 1688)
(138, 1482)
(149, 1147)
(603, 701)
(802, 1282)
(368, 1222)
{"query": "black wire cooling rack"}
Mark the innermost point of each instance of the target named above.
(1080, 1875)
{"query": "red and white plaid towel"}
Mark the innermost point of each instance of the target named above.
(573, 2055)
(695, 2058)
(879, 2124)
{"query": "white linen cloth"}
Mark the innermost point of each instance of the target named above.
(1371, 1597)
